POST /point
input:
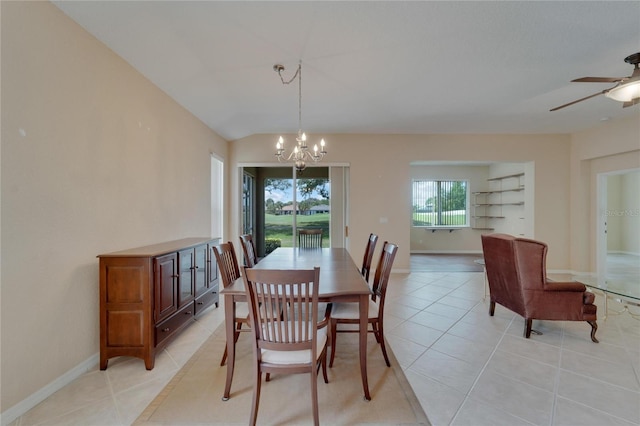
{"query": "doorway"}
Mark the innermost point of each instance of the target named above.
(276, 202)
(618, 253)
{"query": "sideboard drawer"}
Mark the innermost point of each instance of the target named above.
(167, 328)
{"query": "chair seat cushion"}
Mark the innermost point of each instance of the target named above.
(295, 357)
(352, 310)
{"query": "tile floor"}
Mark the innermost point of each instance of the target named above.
(466, 367)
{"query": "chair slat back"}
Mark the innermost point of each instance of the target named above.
(279, 302)
(383, 270)
(227, 263)
(310, 238)
(368, 256)
(249, 250)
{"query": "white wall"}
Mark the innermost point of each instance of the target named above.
(95, 158)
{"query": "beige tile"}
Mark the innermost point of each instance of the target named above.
(405, 351)
(570, 413)
(600, 396)
(453, 372)
(399, 310)
(478, 413)
(431, 291)
(417, 333)
(87, 389)
(603, 351)
(467, 350)
(129, 372)
(458, 302)
(412, 301)
(440, 402)
(622, 375)
(432, 320)
(482, 319)
(133, 401)
(444, 310)
(508, 395)
(528, 348)
(476, 332)
(103, 413)
(523, 369)
(551, 331)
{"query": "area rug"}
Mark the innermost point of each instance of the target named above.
(194, 396)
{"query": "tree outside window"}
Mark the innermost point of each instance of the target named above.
(440, 203)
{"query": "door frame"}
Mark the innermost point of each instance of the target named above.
(338, 236)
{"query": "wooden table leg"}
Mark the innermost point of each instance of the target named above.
(229, 315)
(364, 314)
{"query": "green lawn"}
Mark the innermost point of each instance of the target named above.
(429, 219)
(281, 227)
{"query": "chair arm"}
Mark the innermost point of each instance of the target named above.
(327, 317)
(565, 286)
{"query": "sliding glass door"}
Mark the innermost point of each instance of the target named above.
(277, 202)
(296, 202)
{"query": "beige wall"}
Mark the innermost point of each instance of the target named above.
(95, 158)
(380, 180)
(612, 146)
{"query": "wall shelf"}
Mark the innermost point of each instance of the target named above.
(496, 204)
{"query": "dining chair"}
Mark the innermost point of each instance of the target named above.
(349, 312)
(249, 250)
(368, 256)
(285, 340)
(229, 273)
(310, 238)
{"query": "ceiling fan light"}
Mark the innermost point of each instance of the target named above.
(625, 92)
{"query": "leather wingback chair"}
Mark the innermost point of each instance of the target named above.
(516, 271)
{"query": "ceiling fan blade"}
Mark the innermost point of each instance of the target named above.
(579, 100)
(631, 103)
(598, 79)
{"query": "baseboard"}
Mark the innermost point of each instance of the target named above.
(37, 397)
(628, 253)
(477, 252)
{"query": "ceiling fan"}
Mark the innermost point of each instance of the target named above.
(627, 89)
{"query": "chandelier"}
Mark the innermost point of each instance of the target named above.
(301, 153)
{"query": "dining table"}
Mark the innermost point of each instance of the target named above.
(340, 281)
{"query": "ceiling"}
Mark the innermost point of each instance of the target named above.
(376, 67)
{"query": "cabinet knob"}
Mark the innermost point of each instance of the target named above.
(166, 329)
(188, 313)
(174, 276)
(200, 303)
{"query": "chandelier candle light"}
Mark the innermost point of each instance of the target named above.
(301, 153)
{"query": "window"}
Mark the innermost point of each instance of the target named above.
(440, 203)
(248, 196)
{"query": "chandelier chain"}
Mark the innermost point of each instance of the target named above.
(301, 152)
(298, 74)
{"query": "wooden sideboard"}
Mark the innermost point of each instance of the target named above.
(149, 294)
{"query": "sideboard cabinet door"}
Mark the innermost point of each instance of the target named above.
(165, 280)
